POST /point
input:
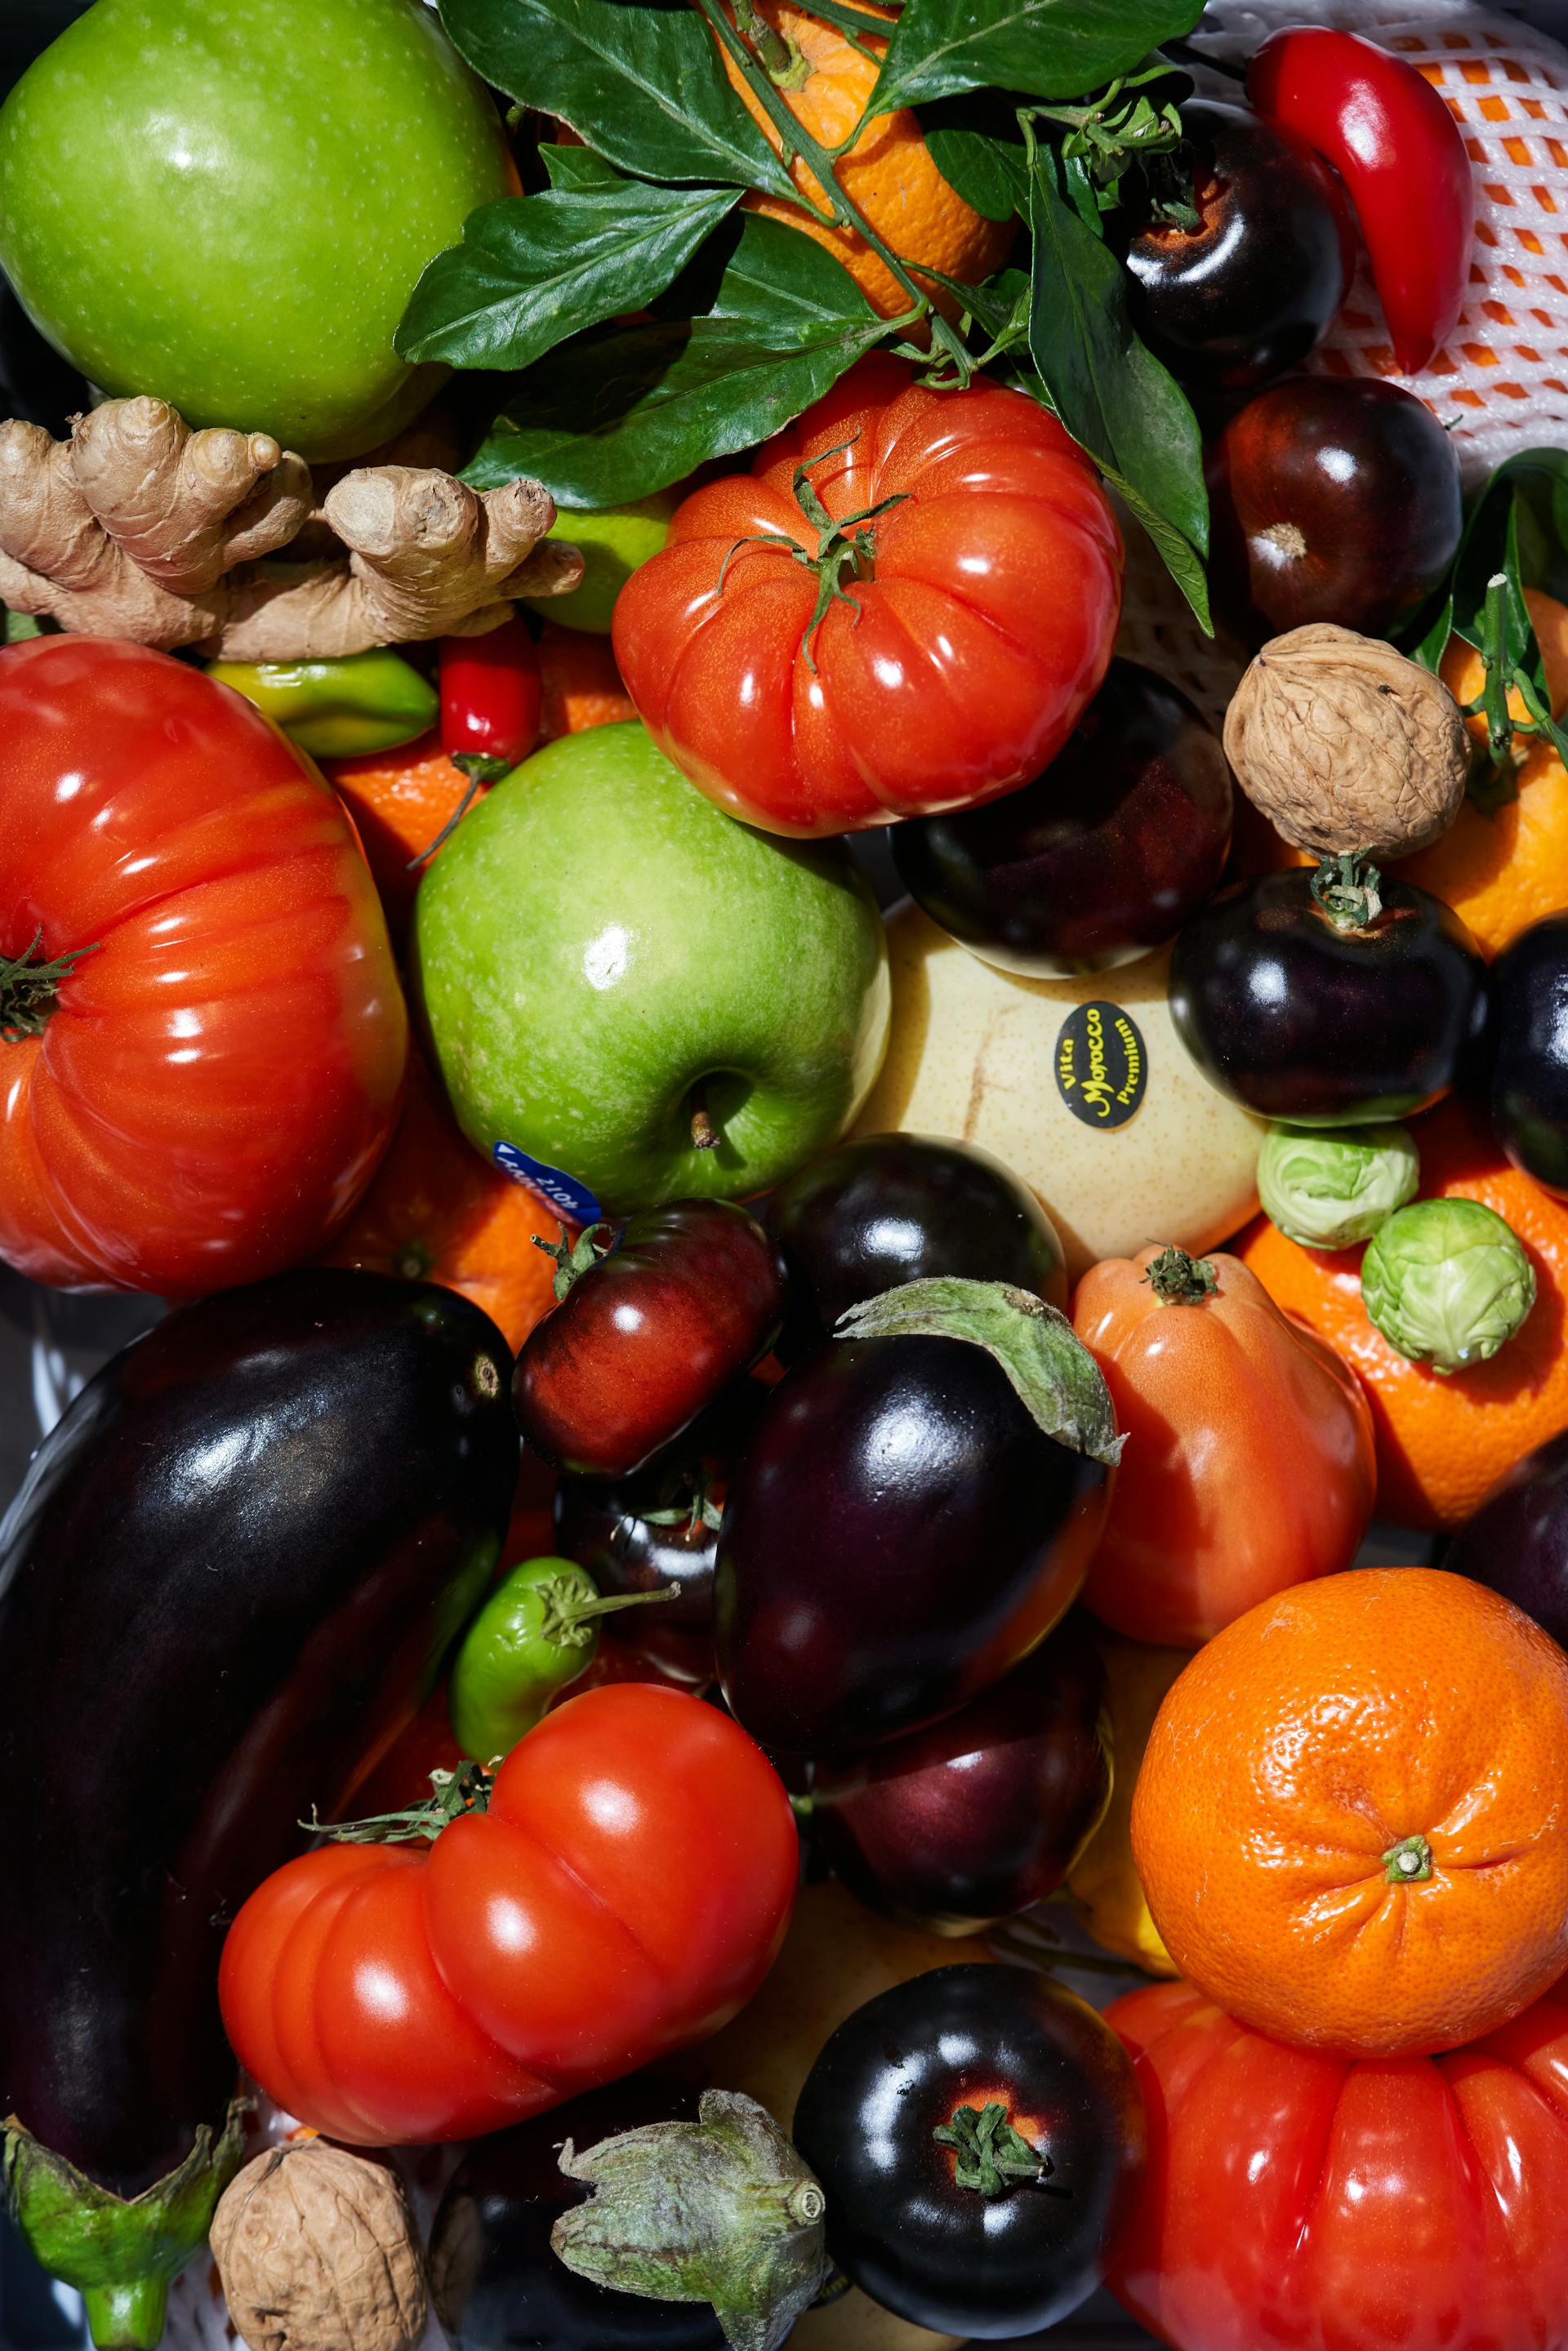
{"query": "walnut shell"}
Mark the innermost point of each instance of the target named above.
(316, 2250)
(1343, 743)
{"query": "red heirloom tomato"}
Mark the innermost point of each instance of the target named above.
(201, 1036)
(623, 1893)
(1343, 2204)
(1249, 1464)
(902, 608)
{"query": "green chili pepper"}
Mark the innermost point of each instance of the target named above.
(536, 1633)
(338, 709)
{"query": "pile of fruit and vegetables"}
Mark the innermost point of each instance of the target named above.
(794, 1219)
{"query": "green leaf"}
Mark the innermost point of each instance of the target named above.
(1049, 48)
(577, 167)
(1519, 526)
(721, 365)
(531, 270)
(1177, 553)
(975, 144)
(641, 81)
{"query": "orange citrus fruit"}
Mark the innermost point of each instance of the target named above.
(1351, 1819)
(581, 685)
(888, 172)
(1442, 1440)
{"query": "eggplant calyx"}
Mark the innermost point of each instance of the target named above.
(574, 1258)
(1050, 1369)
(1178, 1280)
(120, 2252)
(453, 1794)
(721, 2210)
(1348, 887)
(990, 2154)
(29, 984)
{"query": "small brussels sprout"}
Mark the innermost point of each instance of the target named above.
(1446, 1282)
(1329, 1188)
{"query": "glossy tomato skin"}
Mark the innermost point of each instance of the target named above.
(1298, 1019)
(1398, 2204)
(901, 1533)
(496, 2281)
(1249, 1462)
(1517, 1537)
(890, 1209)
(1097, 860)
(220, 1076)
(624, 1893)
(972, 1820)
(955, 672)
(901, 2228)
(1530, 1071)
(687, 1299)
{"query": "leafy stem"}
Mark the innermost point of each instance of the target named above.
(990, 2154)
(1503, 675)
(1121, 125)
(453, 1794)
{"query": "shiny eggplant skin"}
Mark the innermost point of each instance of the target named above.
(1530, 1070)
(1299, 1020)
(226, 1583)
(1516, 1539)
(901, 1532)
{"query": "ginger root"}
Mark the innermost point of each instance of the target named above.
(137, 528)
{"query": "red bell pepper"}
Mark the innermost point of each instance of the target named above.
(1400, 154)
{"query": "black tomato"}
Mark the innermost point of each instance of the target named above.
(1325, 1021)
(900, 1534)
(1007, 2230)
(660, 1526)
(1516, 1539)
(1530, 1071)
(1257, 285)
(1102, 857)
(966, 1822)
(649, 1333)
(497, 2286)
(892, 1208)
(1334, 498)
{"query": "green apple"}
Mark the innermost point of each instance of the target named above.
(612, 544)
(228, 203)
(603, 953)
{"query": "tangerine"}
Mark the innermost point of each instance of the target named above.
(1352, 1818)
(1442, 1440)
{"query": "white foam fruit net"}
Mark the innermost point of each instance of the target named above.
(1501, 382)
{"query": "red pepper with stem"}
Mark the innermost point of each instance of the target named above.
(1400, 154)
(491, 696)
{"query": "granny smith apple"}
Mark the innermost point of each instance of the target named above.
(612, 543)
(605, 956)
(228, 203)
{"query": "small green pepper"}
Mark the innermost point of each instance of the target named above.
(536, 1633)
(338, 709)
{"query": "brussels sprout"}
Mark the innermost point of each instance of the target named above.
(1329, 1188)
(1446, 1282)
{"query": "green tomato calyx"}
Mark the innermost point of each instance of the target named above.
(990, 2154)
(1409, 1862)
(844, 549)
(1448, 1282)
(29, 986)
(574, 1257)
(453, 1794)
(1177, 1279)
(1348, 888)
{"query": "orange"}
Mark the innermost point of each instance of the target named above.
(889, 172)
(581, 685)
(1351, 1819)
(1441, 1441)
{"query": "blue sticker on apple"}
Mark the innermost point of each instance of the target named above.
(574, 1200)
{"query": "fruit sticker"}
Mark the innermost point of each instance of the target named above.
(552, 1184)
(1102, 1066)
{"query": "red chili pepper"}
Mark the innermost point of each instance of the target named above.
(1401, 154)
(491, 696)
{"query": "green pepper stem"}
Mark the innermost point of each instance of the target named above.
(29, 985)
(1178, 1280)
(569, 1612)
(992, 2156)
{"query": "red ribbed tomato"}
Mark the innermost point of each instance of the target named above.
(902, 608)
(201, 1036)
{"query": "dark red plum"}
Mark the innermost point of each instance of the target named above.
(1102, 857)
(1516, 1539)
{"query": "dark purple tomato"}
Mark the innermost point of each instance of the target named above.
(1257, 285)
(1530, 1071)
(1516, 1539)
(1009, 2230)
(497, 2284)
(901, 1532)
(660, 1526)
(684, 1300)
(892, 1209)
(1102, 857)
(1334, 498)
(972, 1820)
(1300, 1019)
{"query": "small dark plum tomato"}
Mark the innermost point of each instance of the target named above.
(1516, 1538)
(654, 1324)
(979, 2133)
(1102, 857)
(1529, 1068)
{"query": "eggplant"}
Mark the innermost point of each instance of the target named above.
(1530, 1071)
(227, 1582)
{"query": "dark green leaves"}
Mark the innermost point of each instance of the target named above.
(1109, 389)
(1047, 49)
(531, 270)
(639, 79)
(976, 144)
(758, 329)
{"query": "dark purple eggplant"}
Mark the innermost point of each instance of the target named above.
(228, 1581)
(1516, 1539)
(1530, 1070)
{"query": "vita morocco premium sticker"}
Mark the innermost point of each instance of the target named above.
(1101, 1064)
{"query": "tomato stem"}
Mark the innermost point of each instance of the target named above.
(990, 2156)
(453, 1794)
(29, 985)
(573, 1259)
(1177, 1279)
(1347, 887)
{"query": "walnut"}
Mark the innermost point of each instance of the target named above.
(1343, 743)
(316, 2250)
